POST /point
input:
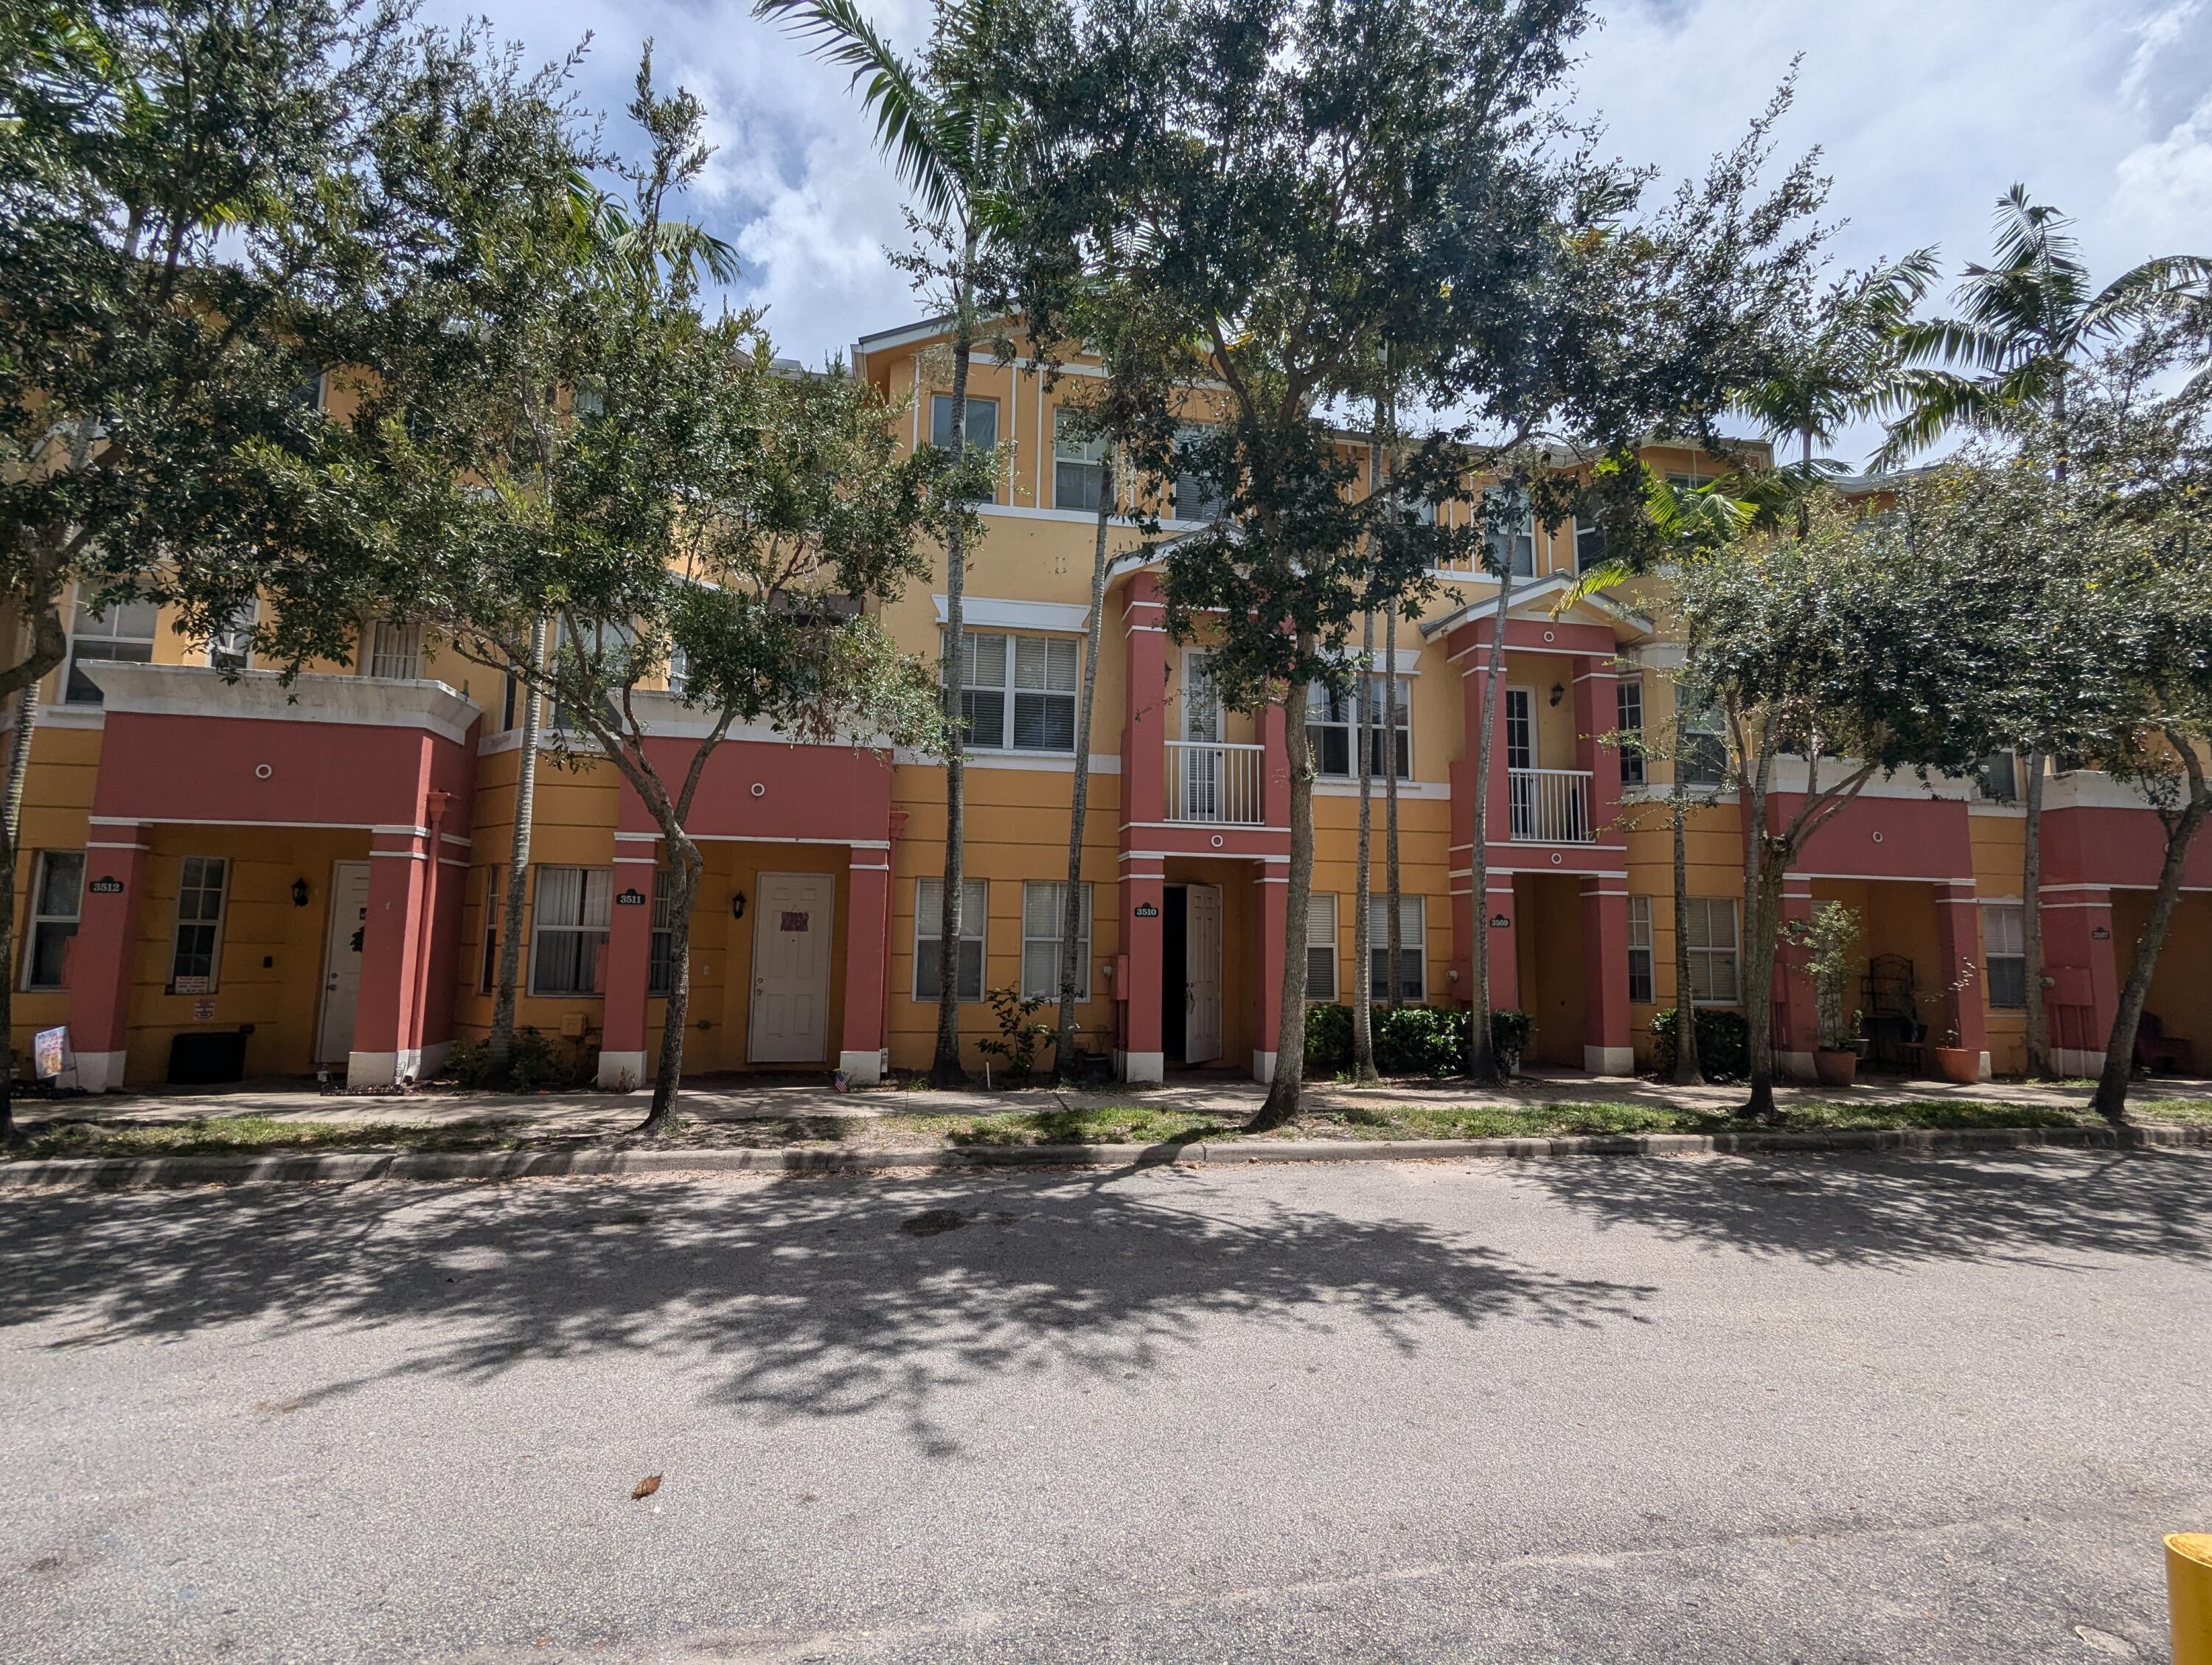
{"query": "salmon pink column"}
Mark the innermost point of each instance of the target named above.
(1272, 892)
(864, 1057)
(630, 963)
(1607, 1047)
(1500, 923)
(1275, 767)
(385, 1050)
(1796, 1019)
(1137, 969)
(1958, 942)
(1138, 986)
(1597, 714)
(2081, 984)
(103, 959)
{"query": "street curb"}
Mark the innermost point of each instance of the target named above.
(349, 1167)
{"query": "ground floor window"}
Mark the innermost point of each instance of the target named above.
(569, 927)
(1716, 976)
(928, 924)
(660, 967)
(197, 947)
(2004, 946)
(1412, 947)
(57, 902)
(1321, 946)
(1044, 910)
(1639, 950)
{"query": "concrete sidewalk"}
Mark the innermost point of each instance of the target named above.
(729, 1098)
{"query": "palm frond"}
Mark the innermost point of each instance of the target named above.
(911, 125)
(2144, 289)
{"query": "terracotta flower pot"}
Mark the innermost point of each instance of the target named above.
(1958, 1065)
(1836, 1066)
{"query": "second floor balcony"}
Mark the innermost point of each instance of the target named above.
(1211, 783)
(1551, 806)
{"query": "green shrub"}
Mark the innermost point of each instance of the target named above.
(1724, 1043)
(468, 1063)
(1419, 1040)
(1328, 1040)
(532, 1063)
(1508, 1036)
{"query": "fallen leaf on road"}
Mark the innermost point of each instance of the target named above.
(646, 1487)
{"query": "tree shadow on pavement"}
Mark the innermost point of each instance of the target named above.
(811, 1297)
(2047, 1207)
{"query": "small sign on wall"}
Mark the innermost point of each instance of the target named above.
(203, 1010)
(106, 885)
(796, 922)
(1146, 910)
(192, 986)
(1499, 923)
(630, 898)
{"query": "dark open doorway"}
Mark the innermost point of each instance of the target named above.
(1175, 960)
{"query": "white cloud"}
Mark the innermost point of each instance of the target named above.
(1924, 112)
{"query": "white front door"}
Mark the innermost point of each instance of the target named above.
(341, 960)
(1201, 1034)
(791, 967)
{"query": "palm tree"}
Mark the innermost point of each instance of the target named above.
(2023, 323)
(951, 130)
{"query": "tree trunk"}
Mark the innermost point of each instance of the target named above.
(1070, 922)
(501, 1039)
(1283, 1101)
(2031, 924)
(1688, 1072)
(945, 1069)
(2111, 1098)
(1481, 1050)
(1362, 924)
(1394, 928)
(1762, 907)
(685, 865)
(12, 839)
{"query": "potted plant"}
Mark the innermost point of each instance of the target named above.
(1827, 939)
(1960, 1065)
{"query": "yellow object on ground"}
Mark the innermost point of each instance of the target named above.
(2188, 1594)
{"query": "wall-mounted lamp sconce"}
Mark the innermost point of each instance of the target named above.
(299, 893)
(1558, 693)
(736, 904)
(1106, 970)
(1451, 974)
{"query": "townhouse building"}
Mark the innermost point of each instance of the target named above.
(229, 876)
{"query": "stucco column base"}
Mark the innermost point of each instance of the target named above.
(383, 1069)
(863, 1069)
(621, 1071)
(1263, 1067)
(100, 1072)
(1609, 1060)
(1141, 1065)
(1796, 1065)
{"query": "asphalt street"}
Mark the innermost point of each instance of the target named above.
(1598, 1410)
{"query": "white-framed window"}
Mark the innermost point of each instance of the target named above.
(57, 904)
(1044, 905)
(1704, 762)
(929, 922)
(231, 647)
(1198, 497)
(1509, 533)
(1321, 946)
(2004, 947)
(488, 975)
(1628, 722)
(1589, 545)
(1639, 950)
(569, 929)
(1019, 694)
(660, 962)
(1078, 464)
(123, 631)
(1412, 941)
(196, 950)
(1716, 976)
(982, 422)
(679, 671)
(1332, 719)
(395, 649)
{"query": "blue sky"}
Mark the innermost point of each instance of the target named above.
(1924, 111)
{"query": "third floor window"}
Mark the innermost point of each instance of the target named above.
(122, 631)
(1509, 534)
(982, 422)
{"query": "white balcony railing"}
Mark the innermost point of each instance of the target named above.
(1214, 783)
(1551, 806)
